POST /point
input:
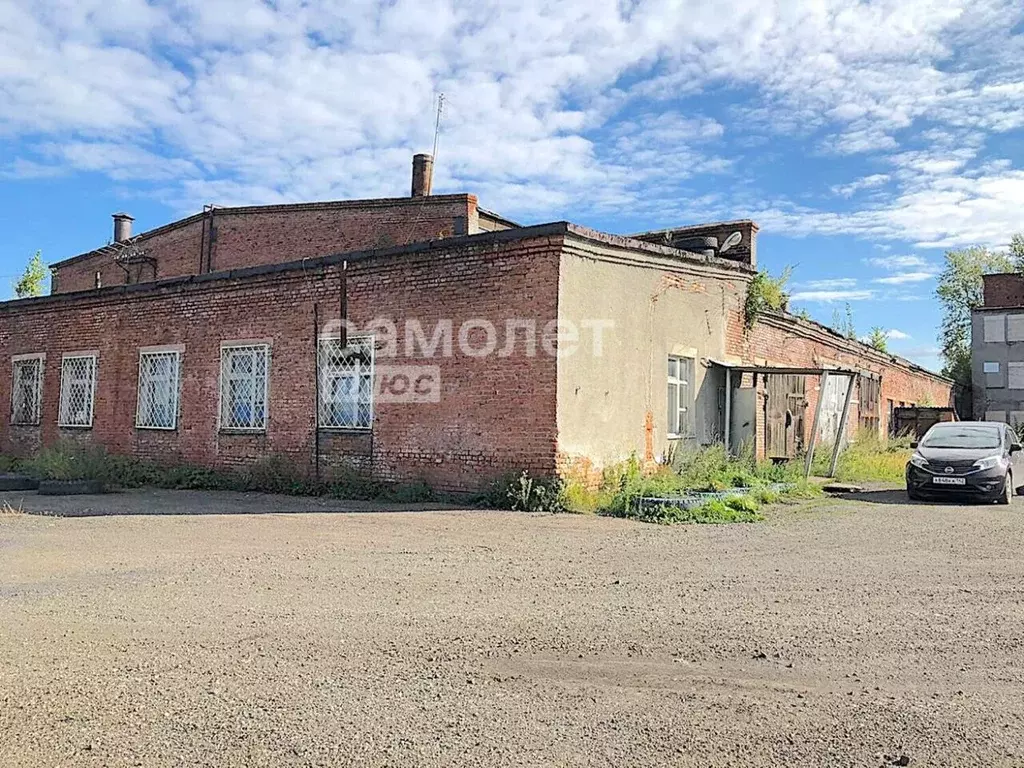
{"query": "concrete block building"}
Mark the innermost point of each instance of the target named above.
(423, 338)
(997, 350)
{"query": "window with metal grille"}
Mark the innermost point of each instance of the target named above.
(77, 390)
(159, 376)
(681, 397)
(243, 386)
(346, 383)
(27, 392)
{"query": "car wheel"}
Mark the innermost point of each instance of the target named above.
(1007, 495)
(912, 495)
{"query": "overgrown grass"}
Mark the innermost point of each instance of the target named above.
(622, 485)
(272, 474)
(866, 460)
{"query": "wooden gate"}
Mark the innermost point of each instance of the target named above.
(785, 408)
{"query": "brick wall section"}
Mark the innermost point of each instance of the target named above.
(789, 341)
(496, 413)
(231, 238)
(1004, 290)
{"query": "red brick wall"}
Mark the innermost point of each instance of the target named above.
(275, 234)
(793, 342)
(496, 413)
(1004, 290)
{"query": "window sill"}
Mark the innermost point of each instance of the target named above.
(359, 430)
(242, 431)
(156, 429)
(74, 426)
(682, 437)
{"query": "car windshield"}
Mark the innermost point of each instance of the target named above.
(962, 437)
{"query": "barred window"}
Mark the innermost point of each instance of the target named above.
(243, 386)
(27, 392)
(346, 383)
(77, 390)
(159, 376)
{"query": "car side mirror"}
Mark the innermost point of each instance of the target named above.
(914, 444)
(1015, 447)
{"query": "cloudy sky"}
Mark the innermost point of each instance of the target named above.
(864, 137)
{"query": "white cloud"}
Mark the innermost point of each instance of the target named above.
(895, 262)
(895, 333)
(829, 296)
(833, 283)
(902, 278)
(551, 108)
(867, 182)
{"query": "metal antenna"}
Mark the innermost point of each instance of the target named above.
(437, 132)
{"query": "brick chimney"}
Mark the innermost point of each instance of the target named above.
(122, 227)
(422, 174)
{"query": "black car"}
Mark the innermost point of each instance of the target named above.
(965, 458)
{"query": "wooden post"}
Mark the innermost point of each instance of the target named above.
(823, 382)
(842, 426)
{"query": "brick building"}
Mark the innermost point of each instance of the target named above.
(419, 338)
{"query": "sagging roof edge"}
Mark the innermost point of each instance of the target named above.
(377, 202)
(552, 229)
(788, 321)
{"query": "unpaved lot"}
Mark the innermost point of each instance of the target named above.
(847, 633)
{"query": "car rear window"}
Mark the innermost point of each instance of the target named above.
(963, 437)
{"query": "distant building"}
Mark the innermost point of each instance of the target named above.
(473, 346)
(997, 350)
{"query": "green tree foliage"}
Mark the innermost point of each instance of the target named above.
(842, 322)
(1017, 252)
(960, 289)
(33, 280)
(766, 293)
(879, 339)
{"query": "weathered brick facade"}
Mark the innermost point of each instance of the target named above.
(273, 275)
(495, 413)
(1004, 290)
(785, 340)
(233, 238)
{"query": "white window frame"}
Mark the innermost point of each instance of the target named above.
(368, 341)
(679, 382)
(65, 385)
(146, 352)
(17, 361)
(226, 348)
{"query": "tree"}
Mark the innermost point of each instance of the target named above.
(766, 293)
(33, 280)
(960, 290)
(842, 323)
(1017, 252)
(879, 339)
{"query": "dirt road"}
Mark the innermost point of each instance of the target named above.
(848, 633)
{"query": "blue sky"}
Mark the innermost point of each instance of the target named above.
(864, 137)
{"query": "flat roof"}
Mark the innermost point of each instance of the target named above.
(782, 369)
(377, 202)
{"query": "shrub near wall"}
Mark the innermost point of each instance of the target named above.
(273, 474)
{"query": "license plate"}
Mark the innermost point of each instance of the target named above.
(949, 480)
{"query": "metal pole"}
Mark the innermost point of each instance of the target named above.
(842, 427)
(817, 420)
(728, 408)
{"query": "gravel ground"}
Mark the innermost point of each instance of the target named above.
(847, 633)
